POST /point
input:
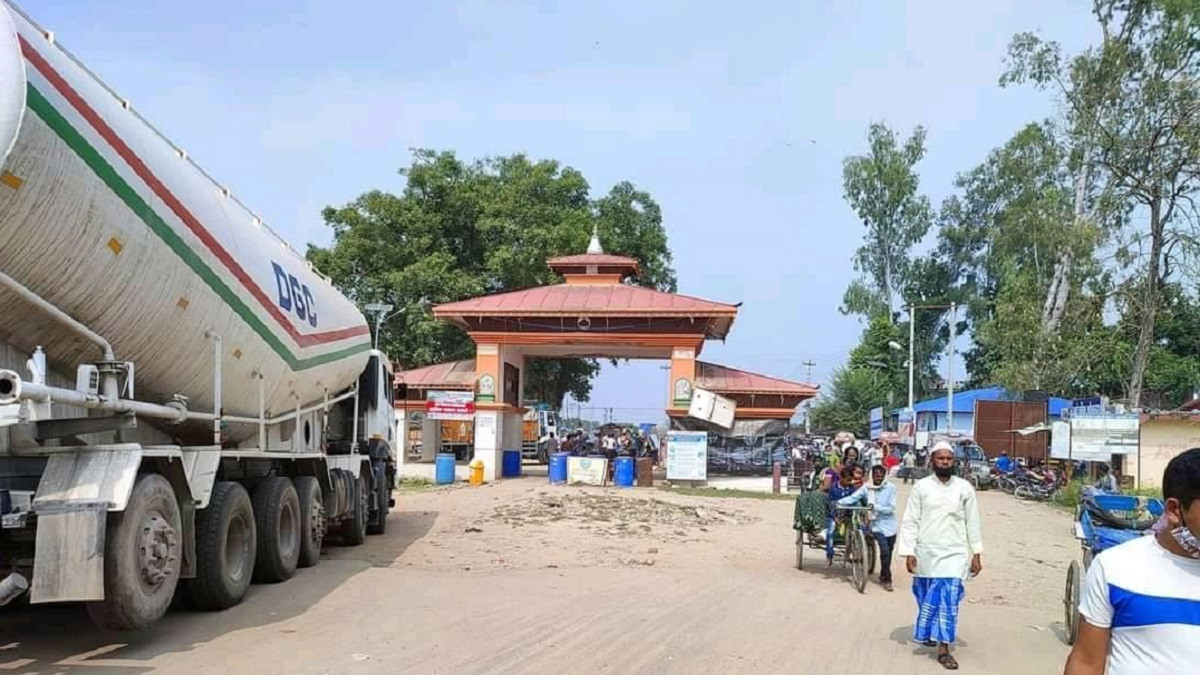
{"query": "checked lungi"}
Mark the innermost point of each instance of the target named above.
(937, 608)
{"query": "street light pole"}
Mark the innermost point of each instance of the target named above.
(912, 332)
(379, 309)
(950, 372)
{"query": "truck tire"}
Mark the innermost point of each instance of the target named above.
(354, 530)
(383, 495)
(226, 546)
(312, 519)
(142, 553)
(277, 519)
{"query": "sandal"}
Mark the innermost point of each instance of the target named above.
(947, 661)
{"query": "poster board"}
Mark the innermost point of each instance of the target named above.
(450, 405)
(687, 455)
(485, 431)
(1097, 439)
(1060, 439)
(875, 417)
(587, 470)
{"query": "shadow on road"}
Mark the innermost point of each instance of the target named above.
(62, 639)
(904, 636)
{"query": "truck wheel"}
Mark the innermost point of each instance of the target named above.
(141, 558)
(383, 496)
(226, 546)
(312, 519)
(277, 520)
(354, 530)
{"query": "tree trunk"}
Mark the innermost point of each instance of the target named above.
(1060, 284)
(1141, 354)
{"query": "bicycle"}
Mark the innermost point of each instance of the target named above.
(857, 551)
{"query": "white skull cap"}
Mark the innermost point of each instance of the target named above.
(941, 445)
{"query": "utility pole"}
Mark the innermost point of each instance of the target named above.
(808, 404)
(912, 334)
(950, 371)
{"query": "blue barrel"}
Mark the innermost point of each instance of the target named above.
(444, 468)
(558, 468)
(510, 467)
(623, 472)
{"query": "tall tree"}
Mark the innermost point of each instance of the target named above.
(461, 229)
(1020, 256)
(1136, 99)
(882, 188)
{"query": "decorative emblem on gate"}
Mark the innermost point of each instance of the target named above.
(487, 388)
(683, 391)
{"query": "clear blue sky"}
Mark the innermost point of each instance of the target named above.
(735, 116)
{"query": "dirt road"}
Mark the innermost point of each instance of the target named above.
(519, 577)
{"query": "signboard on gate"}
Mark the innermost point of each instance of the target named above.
(450, 405)
(687, 455)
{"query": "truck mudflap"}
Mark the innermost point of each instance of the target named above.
(73, 498)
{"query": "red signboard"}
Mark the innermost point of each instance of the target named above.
(450, 405)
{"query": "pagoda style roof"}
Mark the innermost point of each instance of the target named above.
(723, 379)
(598, 259)
(592, 301)
(593, 288)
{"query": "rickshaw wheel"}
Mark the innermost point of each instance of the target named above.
(799, 549)
(872, 554)
(1071, 602)
(856, 545)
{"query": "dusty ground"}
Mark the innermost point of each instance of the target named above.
(523, 578)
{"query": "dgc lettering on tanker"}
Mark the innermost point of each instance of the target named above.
(294, 296)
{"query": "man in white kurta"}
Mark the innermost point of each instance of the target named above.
(940, 539)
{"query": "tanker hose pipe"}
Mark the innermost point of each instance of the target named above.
(10, 387)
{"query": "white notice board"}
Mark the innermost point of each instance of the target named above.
(687, 455)
(1060, 439)
(587, 470)
(1097, 439)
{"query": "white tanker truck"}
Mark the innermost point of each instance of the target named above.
(185, 404)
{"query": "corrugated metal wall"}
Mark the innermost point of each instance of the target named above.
(995, 421)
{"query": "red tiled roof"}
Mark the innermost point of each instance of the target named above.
(451, 375)
(599, 259)
(731, 380)
(589, 300)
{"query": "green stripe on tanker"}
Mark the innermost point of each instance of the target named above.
(138, 206)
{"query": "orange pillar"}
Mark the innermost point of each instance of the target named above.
(683, 377)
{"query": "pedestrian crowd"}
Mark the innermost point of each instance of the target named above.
(1140, 604)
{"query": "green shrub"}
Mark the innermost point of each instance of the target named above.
(1154, 492)
(1070, 495)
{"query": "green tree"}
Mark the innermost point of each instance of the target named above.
(881, 352)
(1021, 257)
(461, 229)
(1134, 100)
(847, 406)
(882, 188)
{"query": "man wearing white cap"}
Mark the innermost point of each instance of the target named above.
(941, 542)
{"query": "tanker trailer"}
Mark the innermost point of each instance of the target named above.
(185, 404)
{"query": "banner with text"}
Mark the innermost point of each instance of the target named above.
(748, 448)
(450, 405)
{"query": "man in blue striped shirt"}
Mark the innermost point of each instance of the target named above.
(1141, 600)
